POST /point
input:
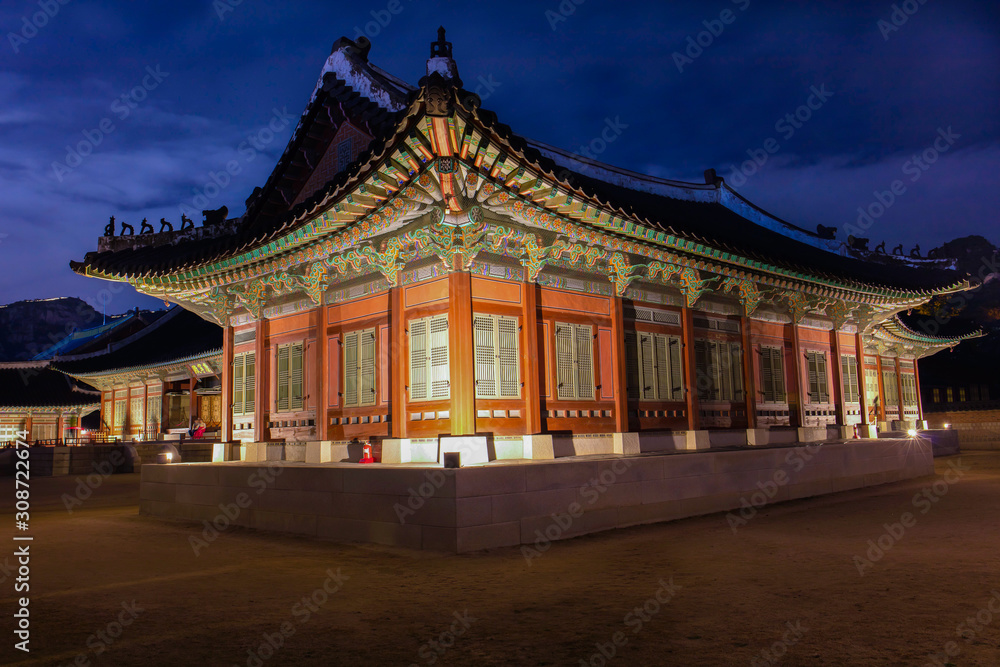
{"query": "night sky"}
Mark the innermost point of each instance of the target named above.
(166, 93)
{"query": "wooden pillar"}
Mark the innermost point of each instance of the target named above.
(859, 350)
(838, 380)
(227, 384)
(145, 408)
(321, 373)
(27, 426)
(262, 393)
(798, 392)
(920, 399)
(399, 364)
(881, 389)
(462, 354)
(618, 356)
(690, 374)
(899, 390)
(60, 425)
(192, 401)
(532, 368)
(749, 387)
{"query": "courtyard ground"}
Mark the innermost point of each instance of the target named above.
(109, 587)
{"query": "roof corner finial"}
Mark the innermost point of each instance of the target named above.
(441, 48)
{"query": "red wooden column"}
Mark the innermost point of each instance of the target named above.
(60, 425)
(881, 390)
(462, 354)
(690, 376)
(618, 355)
(398, 364)
(749, 387)
(800, 395)
(145, 405)
(532, 366)
(192, 400)
(838, 380)
(27, 426)
(920, 400)
(322, 371)
(227, 384)
(899, 390)
(859, 348)
(262, 393)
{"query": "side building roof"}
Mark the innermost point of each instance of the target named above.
(37, 385)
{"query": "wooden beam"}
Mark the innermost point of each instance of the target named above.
(690, 376)
(899, 390)
(398, 363)
(749, 387)
(920, 400)
(531, 361)
(461, 353)
(618, 356)
(880, 416)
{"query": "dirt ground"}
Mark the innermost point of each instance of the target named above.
(109, 587)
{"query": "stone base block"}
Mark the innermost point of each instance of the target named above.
(812, 433)
(626, 443)
(475, 449)
(696, 440)
(538, 447)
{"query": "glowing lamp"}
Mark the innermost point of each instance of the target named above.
(912, 433)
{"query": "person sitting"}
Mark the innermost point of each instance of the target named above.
(197, 428)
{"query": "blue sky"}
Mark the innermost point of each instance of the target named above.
(165, 93)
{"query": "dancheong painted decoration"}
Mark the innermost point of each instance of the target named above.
(413, 268)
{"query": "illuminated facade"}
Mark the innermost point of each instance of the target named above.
(412, 268)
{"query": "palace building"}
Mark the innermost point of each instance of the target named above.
(414, 273)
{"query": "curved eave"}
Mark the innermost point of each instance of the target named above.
(173, 364)
(305, 221)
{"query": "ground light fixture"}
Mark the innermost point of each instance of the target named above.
(912, 433)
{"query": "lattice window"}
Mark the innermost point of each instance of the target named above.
(244, 377)
(119, 414)
(890, 388)
(497, 361)
(574, 361)
(290, 377)
(154, 411)
(909, 381)
(135, 412)
(343, 154)
(819, 388)
(359, 368)
(719, 370)
(429, 370)
(654, 371)
(772, 374)
(849, 378)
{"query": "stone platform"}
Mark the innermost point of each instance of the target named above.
(509, 504)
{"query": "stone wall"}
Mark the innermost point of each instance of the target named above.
(977, 429)
(468, 509)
